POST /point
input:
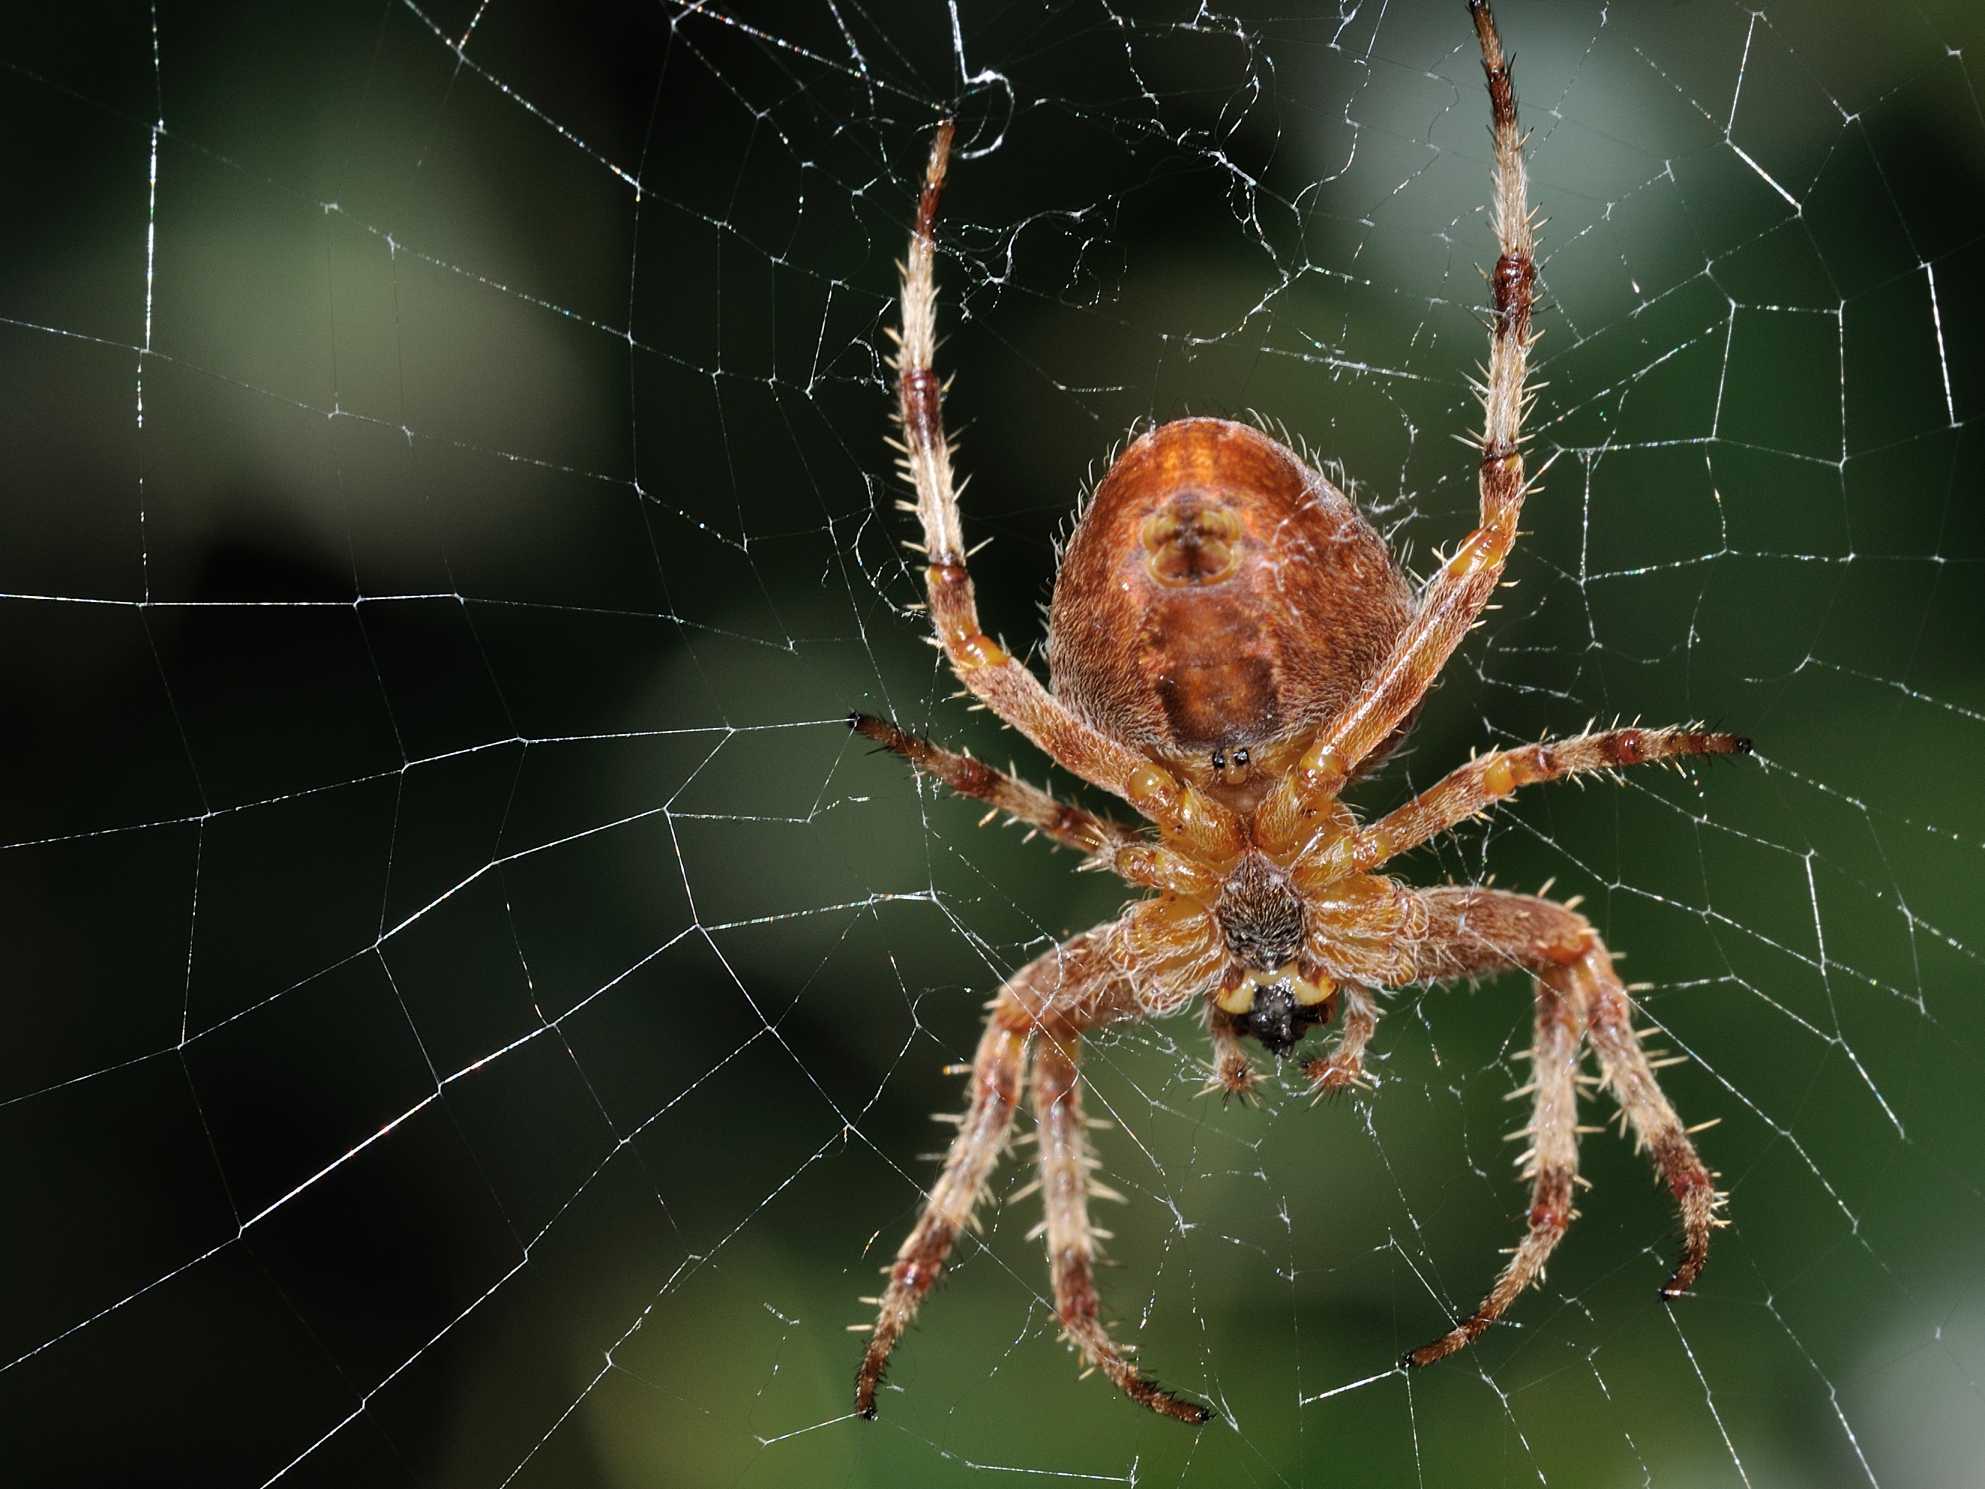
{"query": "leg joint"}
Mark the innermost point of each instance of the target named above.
(1511, 284)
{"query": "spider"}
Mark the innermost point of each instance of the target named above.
(1231, 644)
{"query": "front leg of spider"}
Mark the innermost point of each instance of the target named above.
(1230, 644)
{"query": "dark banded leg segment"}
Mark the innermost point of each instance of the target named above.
(1473, 788)
(997, 1071)
(1629, 1075)
(999, 681)
(1071, 826)
(1065, 1189)
(1550, 1163)
(1480, 932)
(1453, 599)
(1075, 985)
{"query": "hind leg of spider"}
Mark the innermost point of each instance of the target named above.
(1478, 932)
(1453, 599)
(1078, 980)
(1550, 1162)
(1629, 1075)
(1066, 1186)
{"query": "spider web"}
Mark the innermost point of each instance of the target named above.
(473, 1013)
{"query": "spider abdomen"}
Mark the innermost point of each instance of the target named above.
(1218, 595)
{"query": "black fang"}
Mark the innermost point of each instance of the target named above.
(1278, 1020)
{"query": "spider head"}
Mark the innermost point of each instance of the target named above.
(1279, 1021)
(1277, 1009)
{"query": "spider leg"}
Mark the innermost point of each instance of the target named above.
(1479, 932)
(1487, 779)
(1071, 826)
(1453, 600)
(1108, 843)
(1065, 1189)
(1000, 682)
(1233, 1073)
(1550, 1163)
(1629, 1075)
(1077, 980)
(997, 1070)
(1344, 1066)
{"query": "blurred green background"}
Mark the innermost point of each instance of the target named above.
(473, 1015)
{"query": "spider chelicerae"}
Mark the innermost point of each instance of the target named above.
(1231, 644)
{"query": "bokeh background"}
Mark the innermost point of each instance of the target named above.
(471, 1015)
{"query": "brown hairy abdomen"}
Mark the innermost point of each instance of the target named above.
(1218, 594)
(1209, 704)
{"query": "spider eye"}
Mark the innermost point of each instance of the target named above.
(1241, 756)
(1220, 759)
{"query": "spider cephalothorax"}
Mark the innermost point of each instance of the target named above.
(1231, 644)
(1260, 914)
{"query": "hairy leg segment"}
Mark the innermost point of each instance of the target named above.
(1071, 826)
(1580, 999)
(983, 666)
(997, 1071)
(1344, 1067)
(1487, 779)
(999, 681)
(1454, 599)
(1043, 1010)
(1065, 1190)
(1107, 843)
